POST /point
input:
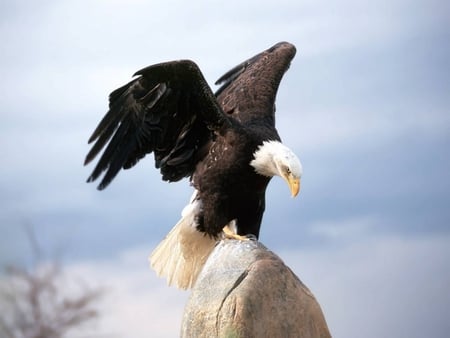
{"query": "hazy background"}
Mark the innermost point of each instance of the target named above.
(365, 105)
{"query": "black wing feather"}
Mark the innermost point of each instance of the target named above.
(226, 79)
(168, 110)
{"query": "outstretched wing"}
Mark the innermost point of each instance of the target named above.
(248, 90)
(168, 110)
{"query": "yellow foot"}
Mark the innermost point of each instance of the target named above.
(230, 234)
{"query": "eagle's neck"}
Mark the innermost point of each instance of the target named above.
(264, 158)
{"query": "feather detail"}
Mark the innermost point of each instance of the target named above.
(181, 256)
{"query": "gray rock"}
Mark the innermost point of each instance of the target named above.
(245, 290)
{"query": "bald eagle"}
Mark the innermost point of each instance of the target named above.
(226, 143)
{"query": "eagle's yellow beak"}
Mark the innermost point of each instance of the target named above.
(294, 185)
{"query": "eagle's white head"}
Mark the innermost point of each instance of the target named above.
(274, 158)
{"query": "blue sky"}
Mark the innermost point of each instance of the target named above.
(365, 105)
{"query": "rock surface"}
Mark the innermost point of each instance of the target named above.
(245, 290)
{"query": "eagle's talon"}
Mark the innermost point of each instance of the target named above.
(230, 234)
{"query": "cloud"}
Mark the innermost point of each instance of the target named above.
(360, 104)
(137, 303)
(343, 230)
(380, 286)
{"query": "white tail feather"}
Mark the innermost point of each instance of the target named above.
(181, 255)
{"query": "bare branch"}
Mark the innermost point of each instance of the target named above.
(43, 302)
